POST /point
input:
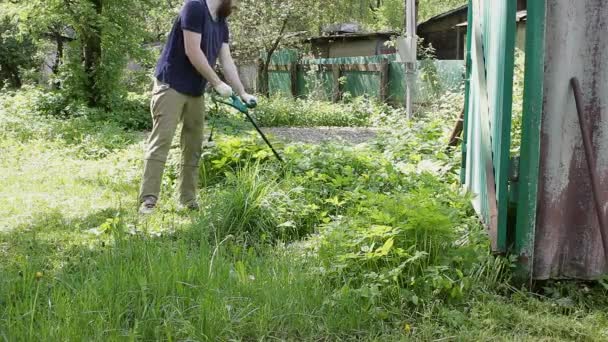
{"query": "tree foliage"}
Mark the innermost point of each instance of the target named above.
(95, 39)
(102, 35)
(262, 27)
(17, 52)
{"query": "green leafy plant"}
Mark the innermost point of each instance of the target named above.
(17, 52)
(278, 111)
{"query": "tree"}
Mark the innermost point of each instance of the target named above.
(265, 26)
(17, 52)
(107, 33)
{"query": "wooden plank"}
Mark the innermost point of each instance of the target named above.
(384, 79)
(336, 83)
(373, 67)
(278, 67)
(293, 71)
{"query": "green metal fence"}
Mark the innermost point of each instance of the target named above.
(491, 48)
(376, 76)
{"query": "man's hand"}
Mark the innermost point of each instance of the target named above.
(223, 89)
(248, 99)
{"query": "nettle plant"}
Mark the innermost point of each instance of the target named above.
(278, 111)
(389, 221)
(398, 248)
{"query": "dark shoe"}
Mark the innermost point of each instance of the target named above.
(192, 206)
(148, 205)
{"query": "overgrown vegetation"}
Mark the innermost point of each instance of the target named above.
(96, 51)
(368, 242)
(518, 102)
(278, 111)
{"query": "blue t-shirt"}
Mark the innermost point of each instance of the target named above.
(174, 67)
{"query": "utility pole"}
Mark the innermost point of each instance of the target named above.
(410, 66)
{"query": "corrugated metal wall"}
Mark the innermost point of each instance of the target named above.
(488, 114)
(448, 75)
(567, 239)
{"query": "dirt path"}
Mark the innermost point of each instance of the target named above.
(318, 135)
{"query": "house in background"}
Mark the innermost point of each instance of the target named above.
(444, 33)
(447, 32)
(347, 40)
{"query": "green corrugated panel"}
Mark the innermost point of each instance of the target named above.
(530, 143)
(467, 100)
(397, 82)
(284, 56)
(304, 80)
(449, 76)
(360, 83)
(502, 47)
(492, 36)
(279, 82)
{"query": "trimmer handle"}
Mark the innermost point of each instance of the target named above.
(239, 103)
(235, 102)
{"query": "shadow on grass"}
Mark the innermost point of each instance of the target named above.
(50, 238)
(117, 286)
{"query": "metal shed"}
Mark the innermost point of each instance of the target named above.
(352, 44)
(551, 207)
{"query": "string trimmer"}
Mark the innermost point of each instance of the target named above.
(236, 103)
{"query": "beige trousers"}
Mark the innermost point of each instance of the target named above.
(168, 108)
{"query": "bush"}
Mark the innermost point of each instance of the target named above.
(244, 207)
(518, 102)
(393, 227)
(32, 113)
(394, 248)
(17, 52)
(278, 111)
(229, 154)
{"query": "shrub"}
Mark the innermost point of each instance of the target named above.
(33, 113)
(245, 207)
(229, 154)
(518, 102)
(17, 52)
(278, 111)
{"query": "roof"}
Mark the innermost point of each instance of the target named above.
(521, 16)
(353, 36)
(457, 10)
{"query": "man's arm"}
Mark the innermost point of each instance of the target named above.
(230, 70)
(192, 42)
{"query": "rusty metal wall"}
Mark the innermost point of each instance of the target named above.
(567, 242)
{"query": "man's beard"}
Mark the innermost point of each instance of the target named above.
(225, 9)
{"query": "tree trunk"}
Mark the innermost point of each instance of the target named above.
(59, 55)
(16, 78)
(264, 87)
(58, 59)
(92, 56)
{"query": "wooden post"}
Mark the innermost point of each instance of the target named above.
(384, 80)
(336, 94)
(293, 76)
(458, 42)
(261, 87)
(410, 68)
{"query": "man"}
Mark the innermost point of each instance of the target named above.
(199, 37)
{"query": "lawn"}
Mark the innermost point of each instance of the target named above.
(373, 242)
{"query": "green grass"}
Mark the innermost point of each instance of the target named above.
(278, 111)
(276, 254)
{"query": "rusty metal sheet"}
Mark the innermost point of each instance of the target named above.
(568, 242)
